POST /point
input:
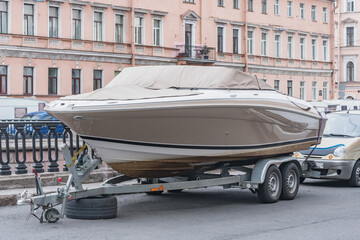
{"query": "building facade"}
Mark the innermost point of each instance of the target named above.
(55, 48)
(347, 78)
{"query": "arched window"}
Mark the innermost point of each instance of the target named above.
(350, 72)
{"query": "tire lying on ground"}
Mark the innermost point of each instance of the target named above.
(98, 207)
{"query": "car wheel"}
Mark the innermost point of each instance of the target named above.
(355, 175)
(290, 181)
(270, 190)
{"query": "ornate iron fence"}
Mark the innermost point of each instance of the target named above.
(24, 142)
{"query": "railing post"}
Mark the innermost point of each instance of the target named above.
(53, 166)
(4, 168)
(20, 167)
(38, 166)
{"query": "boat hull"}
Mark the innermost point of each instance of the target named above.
(180, 138)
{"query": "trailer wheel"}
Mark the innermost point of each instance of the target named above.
(98, 207)
(355, 175)
(290, 181)
(270, 190)
(51, 215)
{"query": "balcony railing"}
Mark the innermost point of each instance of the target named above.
(201, 53)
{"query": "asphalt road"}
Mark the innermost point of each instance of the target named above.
(322, 210)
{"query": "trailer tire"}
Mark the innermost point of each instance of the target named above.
(290, 181)
(98, 207)
(355, 175)
(175, 191)
(155, 193)
(270, 190)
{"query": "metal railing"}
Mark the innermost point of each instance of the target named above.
(24, 142)
(196, 52)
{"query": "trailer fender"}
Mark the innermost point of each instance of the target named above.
(261, 167)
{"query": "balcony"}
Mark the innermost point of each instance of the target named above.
(202, 55)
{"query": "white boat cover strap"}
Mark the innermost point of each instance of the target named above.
(159, 81)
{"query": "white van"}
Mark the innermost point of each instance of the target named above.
(16, 108)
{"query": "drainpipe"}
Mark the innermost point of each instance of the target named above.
(339, 60)
(132, 28)
(201, 22)
(245, 36)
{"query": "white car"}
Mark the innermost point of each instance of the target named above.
(338, 155)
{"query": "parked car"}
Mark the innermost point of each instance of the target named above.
(40, 115)
(338, 155)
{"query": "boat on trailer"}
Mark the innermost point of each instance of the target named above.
(159, 121)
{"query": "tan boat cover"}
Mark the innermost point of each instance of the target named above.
(165, 81)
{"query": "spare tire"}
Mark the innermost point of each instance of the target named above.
(98, 207)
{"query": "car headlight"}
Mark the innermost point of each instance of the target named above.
(340, 151)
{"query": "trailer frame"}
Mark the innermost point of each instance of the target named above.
(253, 179)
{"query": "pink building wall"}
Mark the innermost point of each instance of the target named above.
(64, 53)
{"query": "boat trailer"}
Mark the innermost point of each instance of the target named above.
(272, 179)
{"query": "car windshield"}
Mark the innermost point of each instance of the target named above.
(346, 125)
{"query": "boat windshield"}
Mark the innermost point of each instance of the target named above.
(342, 125)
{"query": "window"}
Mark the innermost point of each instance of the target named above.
(289, 8)
(157, 32)
(325, 90)
(139, 22)
(236, 38)
(53, 22)
(302, 48)
(236, 4)
(220, 3)
(263, 6)
(53, 72)
(116, 72)
(76, 24)
(250, 42)
(3, 17)
(28, 19)
(302, 10)
(76, 73)
(28, 80)
(350, 72)
(119, 28)
(290, 47)
(97, 79)
(313, 49)
(325, 51)
(314, 91)
(349, 5)
(264, 44)
(277, 45)
(220, 39)
(350, 36)
(3, 79)
(290, 87)
(98, 26)
(277, 85)
(250, 5)
(325, 15)
(277, 7)
(302, 90)
(189, 1)
(313, 13)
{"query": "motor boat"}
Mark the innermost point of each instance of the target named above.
(158, 121)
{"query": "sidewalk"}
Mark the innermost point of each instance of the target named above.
(12, 186)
